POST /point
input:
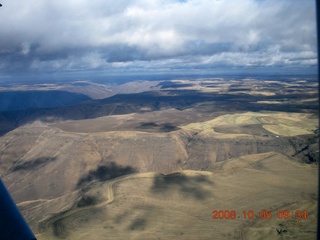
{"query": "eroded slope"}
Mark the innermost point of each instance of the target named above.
(180, 206)
(54, 171)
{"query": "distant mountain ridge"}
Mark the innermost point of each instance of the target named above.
(23, 100)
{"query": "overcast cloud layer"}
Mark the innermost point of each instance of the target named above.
(39, 36)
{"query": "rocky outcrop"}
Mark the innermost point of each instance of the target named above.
(48, 163)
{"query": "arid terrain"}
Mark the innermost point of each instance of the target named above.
(155, 159)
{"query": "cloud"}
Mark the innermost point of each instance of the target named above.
(71, 35)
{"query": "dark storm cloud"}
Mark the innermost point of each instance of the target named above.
(40, 35)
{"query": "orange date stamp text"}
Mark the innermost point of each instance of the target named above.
(262, 214)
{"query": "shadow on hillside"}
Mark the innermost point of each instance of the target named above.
(164, 127)
(34, 164)
(106, 172)
(81, 108)
(188, 186)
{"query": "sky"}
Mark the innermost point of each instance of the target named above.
(82, 38)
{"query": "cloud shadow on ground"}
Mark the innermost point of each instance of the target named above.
(189, 186)
(106, 172)
(34, 164)
(163, 127)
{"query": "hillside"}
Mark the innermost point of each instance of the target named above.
(158, 163)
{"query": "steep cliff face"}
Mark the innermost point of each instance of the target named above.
(208, 150)
(43, 162)
(309, 151)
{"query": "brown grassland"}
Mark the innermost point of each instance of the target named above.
(156, 165)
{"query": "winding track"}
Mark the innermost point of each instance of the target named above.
(54, 221)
